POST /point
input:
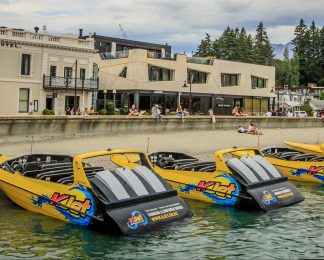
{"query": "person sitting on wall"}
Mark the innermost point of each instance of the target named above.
(86, 111)
(68, 111)
(156, 113)
(268, 114)
(180, 113)
(133, 111)
(241, 112)
(235, 111)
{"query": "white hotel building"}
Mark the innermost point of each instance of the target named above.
(53, 72)
(47, 71)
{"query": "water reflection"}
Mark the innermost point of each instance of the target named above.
(293, 232)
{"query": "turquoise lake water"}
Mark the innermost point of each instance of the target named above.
(292, 232)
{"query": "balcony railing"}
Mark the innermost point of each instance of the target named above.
(112, 55)
(199, 60)
(69, 83)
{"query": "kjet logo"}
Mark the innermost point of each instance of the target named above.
(268, 197)
(137, 219)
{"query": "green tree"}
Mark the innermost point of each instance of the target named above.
(301, 43)
(262, 47)
(322, 95)
(286, 69)
(295, 76)
(205, 48)
(321, 58)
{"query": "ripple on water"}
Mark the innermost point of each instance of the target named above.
(292, 232)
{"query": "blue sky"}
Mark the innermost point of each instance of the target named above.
(180, 23)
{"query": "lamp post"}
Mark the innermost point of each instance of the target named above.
(189, 80)
(105, 93)
(75, 86)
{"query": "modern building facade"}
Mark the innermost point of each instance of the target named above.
(110, 48)
(53, 72)
(138, 76)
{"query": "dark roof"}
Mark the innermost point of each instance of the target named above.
(130, 43)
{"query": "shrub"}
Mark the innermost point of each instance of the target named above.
(110, 108)
(306, 107)
(102, 111)
(48, 112)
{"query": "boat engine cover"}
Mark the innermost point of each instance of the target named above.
(276, 195)
(149, 215)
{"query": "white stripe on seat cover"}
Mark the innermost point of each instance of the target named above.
(242, 169)
(150, 177)
(268, 166)
(132, 180)
(256, 168)
(113, 184)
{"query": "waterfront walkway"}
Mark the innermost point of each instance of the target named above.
(192, 142)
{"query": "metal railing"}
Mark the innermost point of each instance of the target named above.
(112, 55)
(69, 83)
(199, 60)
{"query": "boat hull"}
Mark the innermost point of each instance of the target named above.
(317, 149)
(300, 171)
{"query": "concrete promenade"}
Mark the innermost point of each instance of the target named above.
(13, 129)
(198, 143)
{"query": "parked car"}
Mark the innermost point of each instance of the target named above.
(300, 114)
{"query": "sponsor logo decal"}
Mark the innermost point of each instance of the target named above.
(268, 197)
(137, 219)
(222, 190)
(74, 210)
(315, 171)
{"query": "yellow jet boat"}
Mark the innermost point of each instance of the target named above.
(296, 165)
(317, 149)
(72, 189)
(247, 182)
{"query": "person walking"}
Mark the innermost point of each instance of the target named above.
(211, 114)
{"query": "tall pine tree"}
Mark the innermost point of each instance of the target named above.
(262, 47)
(301, 43)
(205, 48)
(295, 71)
(286, 69)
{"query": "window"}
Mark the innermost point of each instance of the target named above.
(197, 77)
(53, 71)
(25, 64)
(82, 73)
(258, 82)
(23, 100)
(229, 80)
(123, 74)
(95, 71)
(159, 74)
(68, 72)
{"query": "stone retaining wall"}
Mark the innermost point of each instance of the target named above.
(64, 126)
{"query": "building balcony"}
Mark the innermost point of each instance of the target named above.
(7, 35)
(114, 55)
(70, 83)
(200, 60)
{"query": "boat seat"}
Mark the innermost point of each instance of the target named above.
(69, 179)
(303, 157)
(210, 168)
(288, 155)
(317, 159)
(35, 173)
(55, 165)
(58, 175)
(195, 166)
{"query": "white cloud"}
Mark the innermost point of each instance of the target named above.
(180, 23)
